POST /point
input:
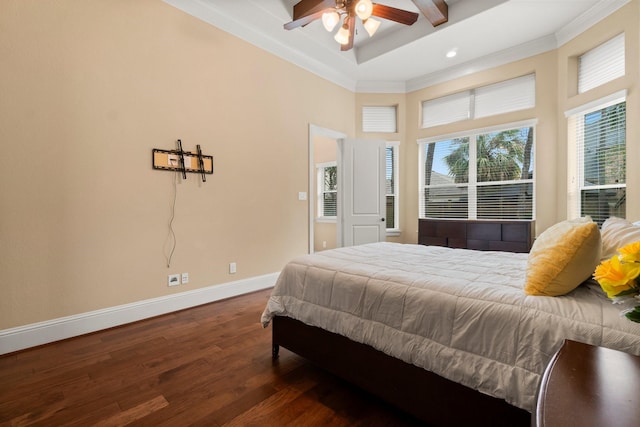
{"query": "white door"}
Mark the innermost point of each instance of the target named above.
(361, 186)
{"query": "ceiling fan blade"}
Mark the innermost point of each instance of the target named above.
(352, 29)
(307, 11)
(436, 11)
(309, 7)
(393, 14)
(301, 22)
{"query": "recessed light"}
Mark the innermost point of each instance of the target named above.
(452, 53)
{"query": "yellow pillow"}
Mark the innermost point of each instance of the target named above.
(562, 257)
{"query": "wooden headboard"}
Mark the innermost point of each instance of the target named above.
(487, 235)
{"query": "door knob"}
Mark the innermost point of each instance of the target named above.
(381, 219)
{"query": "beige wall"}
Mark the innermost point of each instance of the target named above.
(325, 150)
(88, 89)
(409, 109)
(553, 97)
(544, 66)
(625, 20)
(400, 101)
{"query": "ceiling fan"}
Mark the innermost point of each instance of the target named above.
(333, 11)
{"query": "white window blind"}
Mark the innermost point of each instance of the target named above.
(601, 64)
(327, 190)
(510, 95)
(486, 174)
(391, 189)
(445, 177)
(448, 109)
(379, 119)
(599, 135)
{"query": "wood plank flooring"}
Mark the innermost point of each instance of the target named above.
(206, 366)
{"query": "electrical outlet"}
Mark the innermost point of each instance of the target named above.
(185, 278)
(173, 280)
(232, 268)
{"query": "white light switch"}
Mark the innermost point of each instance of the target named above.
(302, 195)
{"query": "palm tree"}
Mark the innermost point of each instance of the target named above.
(458, 161)
(528, 148)
(500, 157)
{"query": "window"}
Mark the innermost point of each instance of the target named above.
(392, 187)
(503, 97)
(597, 134)
(601, 64)
(379, 119)
(327, 190)
(483, 174)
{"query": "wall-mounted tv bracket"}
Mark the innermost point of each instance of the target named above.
(183, 161)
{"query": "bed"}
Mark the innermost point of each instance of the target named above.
(446, 334)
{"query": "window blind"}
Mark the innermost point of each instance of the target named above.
(445, 177)
(327, 181)
(391, 185)
(485, 175)
(504, 174)
(600, 137)
(510, 95)
(503, 97)
(505, 201)
(379, 119)
(448, 109)
(601, 64)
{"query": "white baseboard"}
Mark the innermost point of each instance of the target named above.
(22, 337)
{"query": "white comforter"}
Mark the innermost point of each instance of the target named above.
(459, 313)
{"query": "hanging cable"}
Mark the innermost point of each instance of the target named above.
(171, 236)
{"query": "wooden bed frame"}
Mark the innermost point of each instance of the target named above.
(423, 394)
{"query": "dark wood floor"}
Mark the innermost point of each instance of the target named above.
(209, 366)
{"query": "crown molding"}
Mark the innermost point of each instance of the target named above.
(579, 25)
(516, 53)
(588, 19)
(371, 86)
(343, 68)
(214, 13)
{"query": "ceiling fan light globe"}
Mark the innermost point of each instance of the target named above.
(330, 20)
(364, 8)
(342, 36)
(371, 25)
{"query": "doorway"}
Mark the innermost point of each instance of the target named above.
(323, 151)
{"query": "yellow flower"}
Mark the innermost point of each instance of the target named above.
(616, 277)
(630, 253)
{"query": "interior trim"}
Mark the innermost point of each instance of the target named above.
(344, 71)
(35, 334)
